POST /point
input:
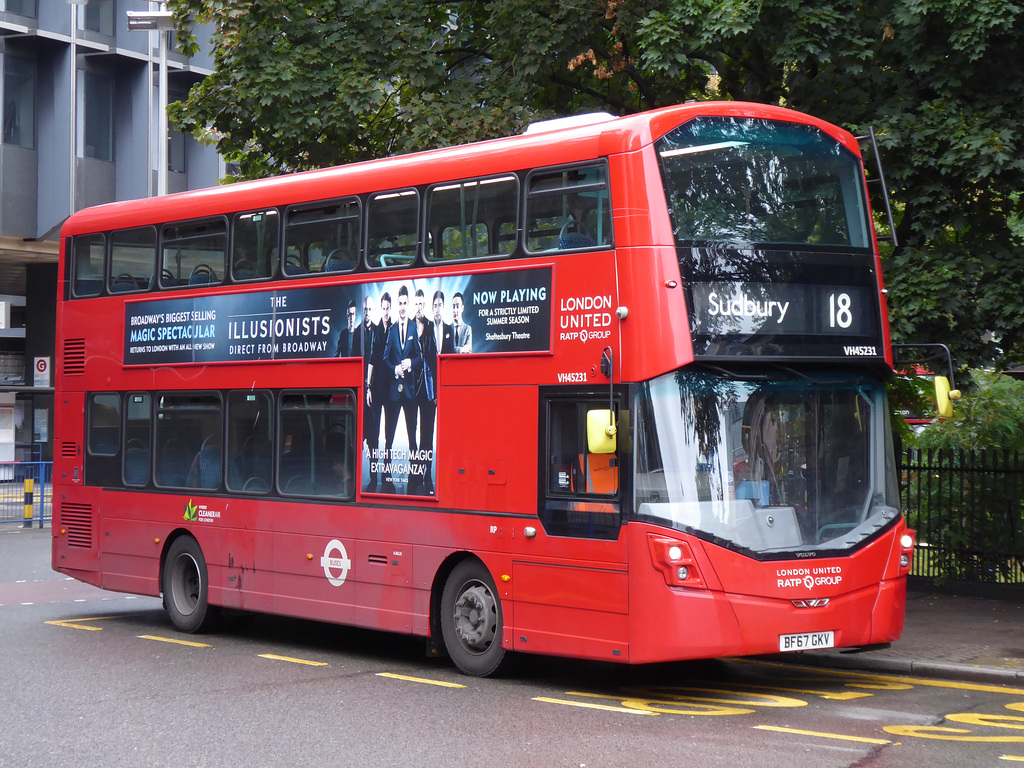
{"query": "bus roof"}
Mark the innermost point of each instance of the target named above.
(553, 146)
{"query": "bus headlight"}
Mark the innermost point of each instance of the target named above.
(675, 560)
(906, 551)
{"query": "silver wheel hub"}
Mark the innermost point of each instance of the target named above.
(475, 617)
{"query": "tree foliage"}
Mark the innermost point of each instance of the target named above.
(308, 83)
(990, 415)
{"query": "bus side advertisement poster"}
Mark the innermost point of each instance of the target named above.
(500, 313)
(399, 328)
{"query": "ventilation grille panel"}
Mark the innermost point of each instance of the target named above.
(76, 519)
(74, 357)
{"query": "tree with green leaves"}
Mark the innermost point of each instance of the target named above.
(990, 416)
(307, 83)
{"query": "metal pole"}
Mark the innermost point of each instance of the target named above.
(74, 105)
(149, 116)
(161, 174)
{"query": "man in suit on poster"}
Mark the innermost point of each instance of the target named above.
(378, 382)
(404, 362)
(426, 395)
(463, 333)
(444, 338)
(350, 342)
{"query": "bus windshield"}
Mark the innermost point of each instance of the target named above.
(767, 466)
(756, 181)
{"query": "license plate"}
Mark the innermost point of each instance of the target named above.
(807, 641)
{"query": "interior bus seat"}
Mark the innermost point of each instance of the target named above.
(293, 265)
(203, 275)
(172, 463)
(123, 283)
(339, 260)
(205, 470)
(244, 269)
(104, 440)
(136, 463)
(256, 485)
(255, 459)
(167, 279)
(568, 240)
(298, 484)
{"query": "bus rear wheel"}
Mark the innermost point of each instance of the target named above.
(471, 620)
(186, 587)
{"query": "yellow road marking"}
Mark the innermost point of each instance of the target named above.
(832, 695)
(888, 680)
(76, 623)
(668, 705)
(819, 734)
(587, 705)
(1012, 758)
(175, 641)
(441, 683)
(275, 657)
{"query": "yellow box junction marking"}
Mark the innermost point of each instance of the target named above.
(589, 705)
(189, 643)
(821, 735)
(307, 662)
(77, 623)
(425, 680)
(890, 683)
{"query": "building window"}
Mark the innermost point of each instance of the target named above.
(98, 117)
(19, 102)
(20, 7)
(175, 138)
(98, 17)
(176, 151)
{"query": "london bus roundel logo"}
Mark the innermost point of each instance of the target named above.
(335, 559)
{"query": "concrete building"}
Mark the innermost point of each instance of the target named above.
(79, 103)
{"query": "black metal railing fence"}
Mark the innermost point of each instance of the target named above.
(968, 512)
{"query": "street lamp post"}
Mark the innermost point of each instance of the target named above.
(161, 21)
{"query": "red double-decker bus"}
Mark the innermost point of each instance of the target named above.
(612, 389)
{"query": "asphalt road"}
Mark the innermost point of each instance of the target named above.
(91, 678)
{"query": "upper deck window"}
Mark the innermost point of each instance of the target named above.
(568, 209)
(392, 221)
(254, 245)
(194, 253)
(89, 253)
(472, 219)
(322, 238)
(765, 182)
(132, 256)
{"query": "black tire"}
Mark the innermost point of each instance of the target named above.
(471, 620)
(186, 587)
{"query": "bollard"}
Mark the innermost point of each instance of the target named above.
(29, 483)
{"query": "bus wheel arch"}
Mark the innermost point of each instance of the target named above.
(468, 616)
(185, 585)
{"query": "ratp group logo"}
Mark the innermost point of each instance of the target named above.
(191, 511)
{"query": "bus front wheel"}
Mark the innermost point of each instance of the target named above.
(186, 587)
(471, 620)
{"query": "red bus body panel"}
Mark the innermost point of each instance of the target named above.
(575, 597)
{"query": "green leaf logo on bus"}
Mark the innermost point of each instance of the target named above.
(190, 511)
